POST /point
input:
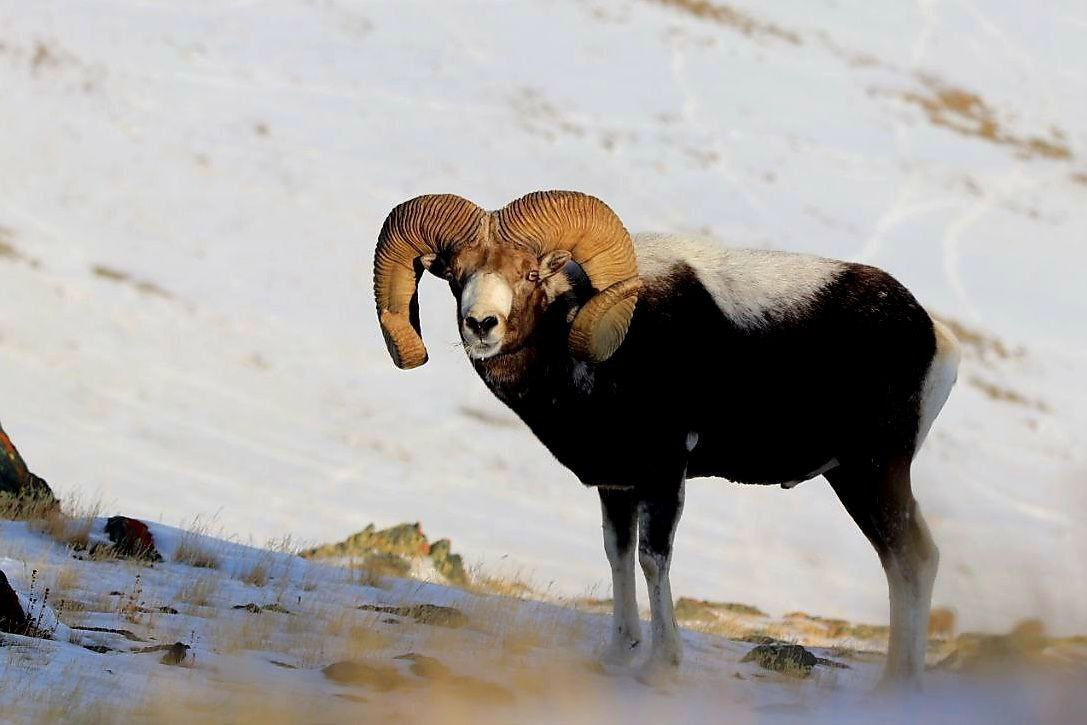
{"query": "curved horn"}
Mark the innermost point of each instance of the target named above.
(426, 224)
(598, 241)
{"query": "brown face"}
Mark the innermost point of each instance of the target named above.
(501, 292)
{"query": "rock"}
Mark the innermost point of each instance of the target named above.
(254, 608)
(132, 538)
(432, 614)
(403, 539)
(425, 667)
(382, 678)
(12, 618)
(448, 564)
(175, 654)
(30, 493)
(390, 552)
(789, 659)
(383, 563)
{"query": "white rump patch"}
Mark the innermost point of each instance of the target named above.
(751, 286)
(941, 376)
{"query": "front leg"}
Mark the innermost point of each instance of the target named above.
(620, 508)
(658, 515)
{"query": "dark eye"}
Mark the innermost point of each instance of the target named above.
(533, 276)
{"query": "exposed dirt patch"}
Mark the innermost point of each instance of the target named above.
(487, 417)
(9, 252)
(729, 17)
(981, 345)
(1001, 394)
(966, 113)
(142, 286)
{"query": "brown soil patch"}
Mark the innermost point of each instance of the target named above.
(968, 114)
(732, 18)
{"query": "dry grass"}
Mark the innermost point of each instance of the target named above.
(71, 523)
(20, 508)
(257, 574)
(194, 548)
(193, 553)
(198, 591)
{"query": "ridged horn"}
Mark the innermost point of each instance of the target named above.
(598, 241)
(428, 224)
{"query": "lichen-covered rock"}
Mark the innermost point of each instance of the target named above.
(402, 539)
(448, 564)
(175, 654)
(132, 538)
(391, 551)
(29, 492)
(789, 659)
(12, 617)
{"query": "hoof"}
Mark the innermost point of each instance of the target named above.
(659, 672)
(897, 684)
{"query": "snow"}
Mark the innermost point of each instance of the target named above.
(239, 157)
(515, 660)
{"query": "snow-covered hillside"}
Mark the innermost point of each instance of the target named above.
(190, 193)
(258, 636)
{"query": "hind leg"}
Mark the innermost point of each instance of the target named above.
(879, 498)
(658, 515)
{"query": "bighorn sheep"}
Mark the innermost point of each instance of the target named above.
(643, 362)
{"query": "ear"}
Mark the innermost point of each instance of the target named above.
(434, 264)
(553, 262)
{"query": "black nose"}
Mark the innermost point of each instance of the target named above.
(481, 327)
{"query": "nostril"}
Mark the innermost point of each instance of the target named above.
(487, 324)
(473, 324)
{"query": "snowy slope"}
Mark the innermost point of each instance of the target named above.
(189, 195)
(308, 649)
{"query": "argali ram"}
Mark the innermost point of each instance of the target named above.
(642, 362)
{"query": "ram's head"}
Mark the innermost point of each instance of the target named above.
(503, 267)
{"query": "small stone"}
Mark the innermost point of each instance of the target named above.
(176, 654)
(790, 659)
(427, 667)
(30, 493)
(132, 538)
(12, 617)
